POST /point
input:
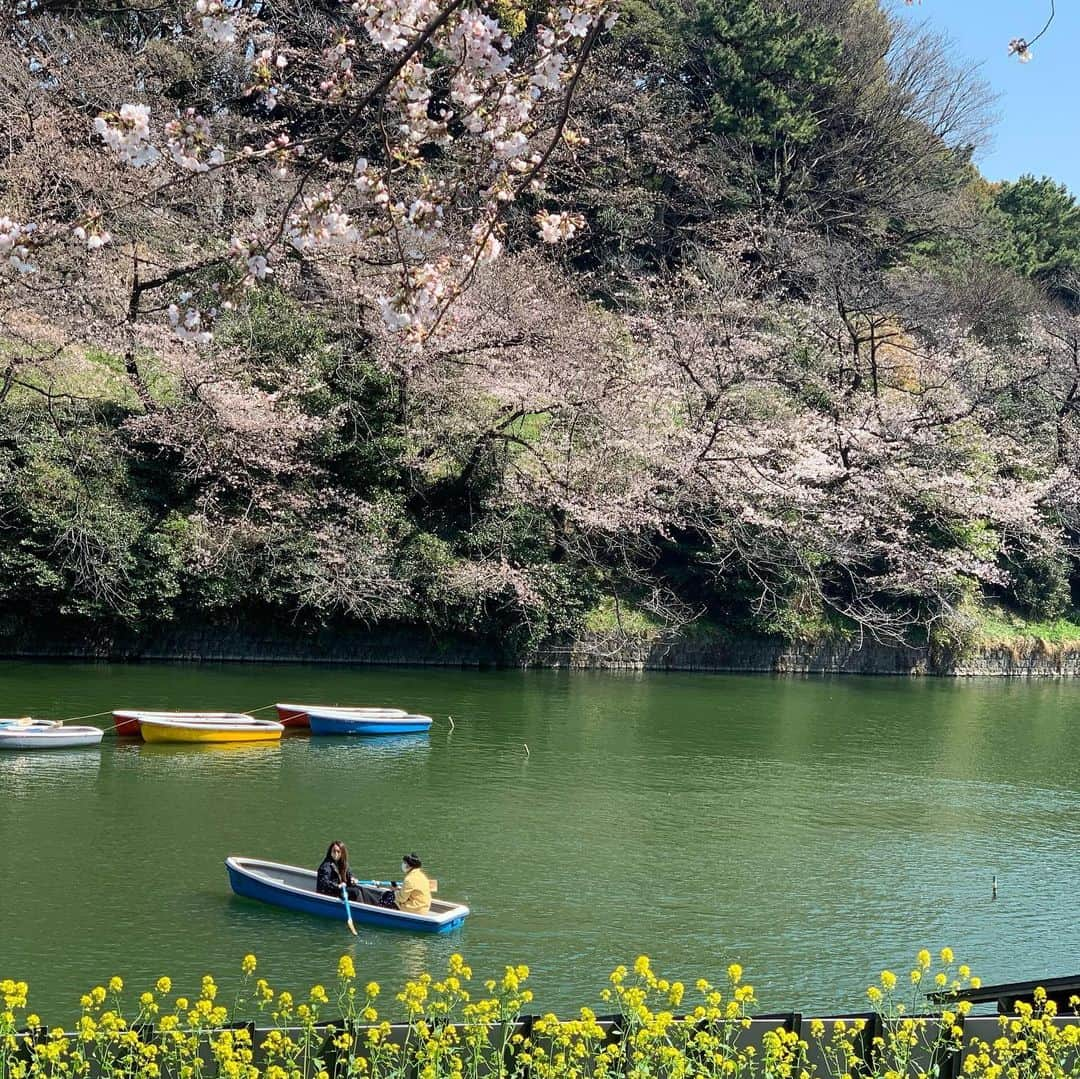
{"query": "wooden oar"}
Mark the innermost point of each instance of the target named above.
(348, 909)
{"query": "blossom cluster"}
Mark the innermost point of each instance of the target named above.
(14, 245)
(188, 140)
(127, 133)
(449, 78)
(217, 22)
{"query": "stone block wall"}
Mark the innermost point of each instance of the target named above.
(693, 651)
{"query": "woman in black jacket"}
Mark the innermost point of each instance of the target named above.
(334, 872)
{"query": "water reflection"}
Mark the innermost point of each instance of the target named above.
(415, 953)
(200, 758)
(376, 747)
(255, 749)
(40, 769)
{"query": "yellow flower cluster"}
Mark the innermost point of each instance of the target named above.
(450, 1033)
(14, 993)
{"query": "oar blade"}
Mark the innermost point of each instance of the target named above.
(348, 910)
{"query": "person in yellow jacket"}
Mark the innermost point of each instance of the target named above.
(414, 893)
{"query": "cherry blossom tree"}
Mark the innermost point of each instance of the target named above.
(193, 151)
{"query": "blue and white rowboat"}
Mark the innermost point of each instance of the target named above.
(293, 887)
(347, 721)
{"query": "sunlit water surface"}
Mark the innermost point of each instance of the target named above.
(815, 830)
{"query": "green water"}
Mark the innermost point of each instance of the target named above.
(815, 830)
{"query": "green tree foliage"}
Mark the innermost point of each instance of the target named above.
(762, 73)
(82, 538)
(1042, 238)
(796, 377)
(1040, 585)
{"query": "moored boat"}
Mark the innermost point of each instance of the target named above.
(346, 721)
(293, 888)
(296, 715)
(52, 736)
(128, 721)
(28, 721)
(201, 730)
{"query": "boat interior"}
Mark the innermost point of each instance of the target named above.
(304, 879)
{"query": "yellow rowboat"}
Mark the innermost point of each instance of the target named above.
(160, 729)
(126, 721)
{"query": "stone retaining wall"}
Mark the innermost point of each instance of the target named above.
(736, 654)
(413, 647)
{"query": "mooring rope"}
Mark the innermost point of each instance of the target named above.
(92, 715)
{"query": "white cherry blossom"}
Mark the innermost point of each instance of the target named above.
(14, 250)
(128, 134)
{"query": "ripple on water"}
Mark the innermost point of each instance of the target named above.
(814, 830)
(32, 773)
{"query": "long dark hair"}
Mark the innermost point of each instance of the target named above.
(342, 867)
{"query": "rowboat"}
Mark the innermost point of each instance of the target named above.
(53, 736)
(296, 715)
(201, 730)
(344, 721)
(127, 722)
(26, 721)
(293, 887)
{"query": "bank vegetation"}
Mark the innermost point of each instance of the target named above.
(797, 369)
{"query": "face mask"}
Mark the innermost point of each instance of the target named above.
(404, 867)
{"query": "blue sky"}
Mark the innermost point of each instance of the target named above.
(1038, 129)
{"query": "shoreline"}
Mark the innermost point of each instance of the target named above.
(726, 654)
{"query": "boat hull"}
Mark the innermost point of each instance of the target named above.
(296, 715)
(208, 733)
(291, 715)
(341, 723)
(293, 888)
(49, 737)
(128, 722)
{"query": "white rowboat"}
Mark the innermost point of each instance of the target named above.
(58, 737)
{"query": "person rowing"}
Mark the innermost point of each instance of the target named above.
(334, 872)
